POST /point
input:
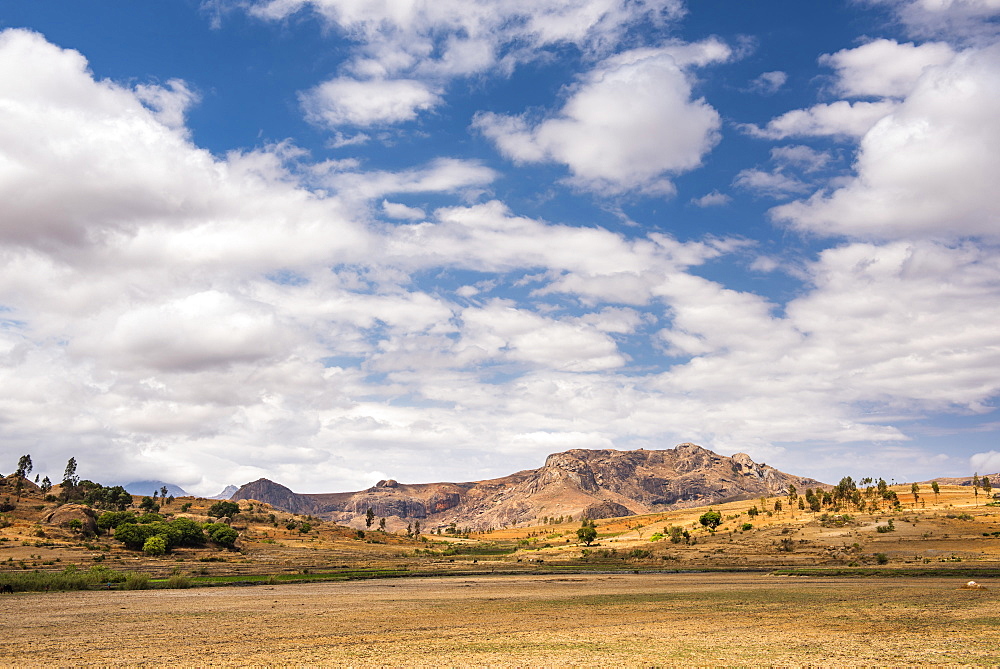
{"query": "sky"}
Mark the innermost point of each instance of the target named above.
(329, 242)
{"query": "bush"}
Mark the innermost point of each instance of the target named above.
(178, 582)
(136, 581)
(746, 527)
(882, 558)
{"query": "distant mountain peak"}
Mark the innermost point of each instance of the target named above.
(147, 488)
(227, 492)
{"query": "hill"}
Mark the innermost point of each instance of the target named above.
(576, 483)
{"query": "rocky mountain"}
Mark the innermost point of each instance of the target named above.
(578, 482)
(226, 493)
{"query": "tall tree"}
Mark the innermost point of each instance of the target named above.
(975, 487)
(915, 491)
(69, 475)
(369, 517)
(936, 489)
(987, 485)
(24, 466)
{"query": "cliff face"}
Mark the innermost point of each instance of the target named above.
(578, 482)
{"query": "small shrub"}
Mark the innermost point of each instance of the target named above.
(882, 558)
(178, 582)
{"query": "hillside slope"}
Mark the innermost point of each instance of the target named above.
(592, 483)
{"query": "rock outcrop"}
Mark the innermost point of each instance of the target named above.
(68, 512)
(276, 495)
(578, 483)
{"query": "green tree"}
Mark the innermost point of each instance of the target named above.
(133, 535)
(24, 466)
(587, 534)
(110, 520)
(155, 545)
(381, 524)
(369, 517)
(189, 533)
(222, 534)
(147, 504)
(987, 486)
(416, 528)
(915, 491)
(46, 484)
(224, 509)
(163, 492)
(844, 491)
(711, 519)
(69, 474)
(936, 489)
(975, 487)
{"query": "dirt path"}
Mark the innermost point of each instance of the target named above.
(589, 620)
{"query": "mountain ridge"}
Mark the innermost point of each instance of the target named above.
(578, 482)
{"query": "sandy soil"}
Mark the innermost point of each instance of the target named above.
(581, 620)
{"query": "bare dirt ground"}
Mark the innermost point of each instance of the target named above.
(579, 620)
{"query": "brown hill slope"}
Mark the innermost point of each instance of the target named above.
(578, 482)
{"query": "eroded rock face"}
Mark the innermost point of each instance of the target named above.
(578, 482)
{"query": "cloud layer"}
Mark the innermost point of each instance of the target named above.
(209, 319)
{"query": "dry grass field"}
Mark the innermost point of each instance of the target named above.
(580, 620)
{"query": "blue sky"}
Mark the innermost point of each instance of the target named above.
(335, 241)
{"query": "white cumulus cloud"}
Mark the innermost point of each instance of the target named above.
(630, 124)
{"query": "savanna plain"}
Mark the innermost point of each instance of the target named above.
(516, 620)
